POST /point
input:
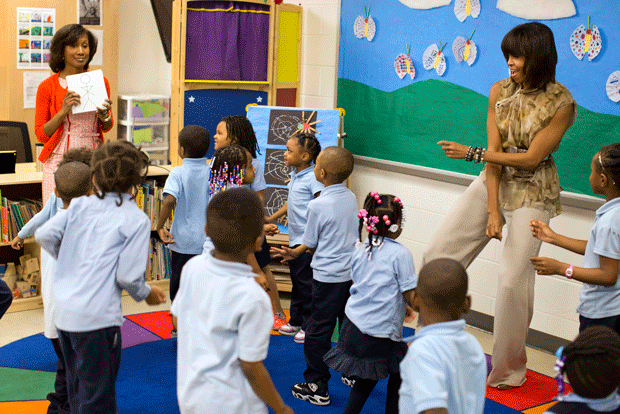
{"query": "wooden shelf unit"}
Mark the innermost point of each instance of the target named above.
(26, 183)
(280, 271)
(283, 71)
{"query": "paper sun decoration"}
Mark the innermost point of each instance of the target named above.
(364, 27)
(305, 126)
(404, 65)
(613, 86)
(584, 41)
(464, 8)
(464, 50)
(433, 58)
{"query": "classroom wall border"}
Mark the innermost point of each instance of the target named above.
(567, 199)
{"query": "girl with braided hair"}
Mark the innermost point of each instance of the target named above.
(301, 153)
(370, 346)
(238, 130)
(600, 294)
(104, 250)
(592, 364)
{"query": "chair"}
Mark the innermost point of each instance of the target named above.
(14, 137)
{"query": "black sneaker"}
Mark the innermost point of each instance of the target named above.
(348, 381)
(317, 393)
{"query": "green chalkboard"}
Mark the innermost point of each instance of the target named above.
(406, 124)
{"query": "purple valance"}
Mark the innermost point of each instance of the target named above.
(227, 40)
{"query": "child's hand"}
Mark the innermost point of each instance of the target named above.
(17, 243)
(284, 252)
(542, 231)
(262, 281)
(271, 229)
(409, 314)
(165, 235)
(156, 296)
(547, 266)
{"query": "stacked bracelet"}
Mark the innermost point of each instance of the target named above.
(470, 154)
(475, 154)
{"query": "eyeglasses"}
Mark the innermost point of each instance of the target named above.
(600, 161)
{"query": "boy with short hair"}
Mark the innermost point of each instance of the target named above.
(224, 316)
(331, 231)
(187, 191)
(445, 369)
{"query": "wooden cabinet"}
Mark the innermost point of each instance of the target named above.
(229, 54)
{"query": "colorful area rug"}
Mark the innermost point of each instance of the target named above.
(147, 378)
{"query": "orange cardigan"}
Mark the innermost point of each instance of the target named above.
(50, 96)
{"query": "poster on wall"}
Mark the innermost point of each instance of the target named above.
(35, 29)
(89, 12)
(31, 81)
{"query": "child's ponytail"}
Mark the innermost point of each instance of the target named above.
(379, 217)
(118, 167)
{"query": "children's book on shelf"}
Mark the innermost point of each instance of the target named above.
(15, 214)
(158, 266)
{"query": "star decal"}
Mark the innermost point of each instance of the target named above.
(192, 99)
(259, 99)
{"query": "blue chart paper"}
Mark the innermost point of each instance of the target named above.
(273, 127)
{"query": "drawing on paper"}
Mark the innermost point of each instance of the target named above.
(274, 199)
(283, 124)
(276, 171)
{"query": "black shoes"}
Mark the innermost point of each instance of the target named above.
(315, 393)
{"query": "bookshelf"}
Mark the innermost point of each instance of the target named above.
(280, 271)
(26, 183)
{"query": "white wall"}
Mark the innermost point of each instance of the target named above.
(142, 67)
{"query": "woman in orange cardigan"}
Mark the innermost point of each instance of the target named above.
(72, 49)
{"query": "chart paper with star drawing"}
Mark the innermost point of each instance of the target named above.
(273, 127)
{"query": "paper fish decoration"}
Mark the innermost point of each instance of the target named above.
(584, 41)
(613, 86)
(464, 8)
(464, 50)
(364, 27)
(433, 58)
(404, 65)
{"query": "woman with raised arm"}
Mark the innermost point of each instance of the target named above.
(71, 51)
(528, 114)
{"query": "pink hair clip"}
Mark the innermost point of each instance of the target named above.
(387, 220)
(373, 193)
(362, 213)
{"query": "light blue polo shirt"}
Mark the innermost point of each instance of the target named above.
(332, 230)
(603, 405)
(376, 305)
(189, 184)
(104, 250)
(259, 182)
(444, 368)
(602, 301)
(301, 190)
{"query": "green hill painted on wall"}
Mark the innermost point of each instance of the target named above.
(405, 125)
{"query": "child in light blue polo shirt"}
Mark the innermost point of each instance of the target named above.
(600, 294)
(331, 232)
(303, 187)
(370, 345)
(187, 191)
(592, 365)
(225, 317)
(445, 367)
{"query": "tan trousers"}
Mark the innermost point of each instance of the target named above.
(462, 237)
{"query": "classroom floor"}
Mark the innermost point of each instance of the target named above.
(17, 325)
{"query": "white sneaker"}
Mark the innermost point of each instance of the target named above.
(300, 337)
(289, 329)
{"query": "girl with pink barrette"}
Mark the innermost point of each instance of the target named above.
(370, 346)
